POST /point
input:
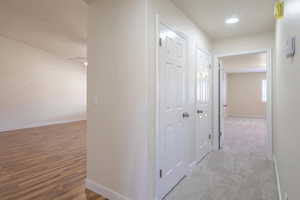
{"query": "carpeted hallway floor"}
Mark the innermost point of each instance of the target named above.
(240, 171)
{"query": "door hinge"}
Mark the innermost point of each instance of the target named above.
(221, 67)
(160, 42)
(209, 136)
(160, 173)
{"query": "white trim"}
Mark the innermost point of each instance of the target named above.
(215, 113)
(269, 97)
(244, 116)
(269, 115)
(277, 178)
(104, 191)
(40, 124)
(242, 53)
(246, 70)
(157, 115)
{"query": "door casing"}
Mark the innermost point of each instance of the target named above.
(216, 106)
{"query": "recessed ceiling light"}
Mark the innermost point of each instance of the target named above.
(232, 20)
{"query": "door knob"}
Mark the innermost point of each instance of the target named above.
(185, 115)
(199, 111)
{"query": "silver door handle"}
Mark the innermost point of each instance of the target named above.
(200, 111)
(185, 115)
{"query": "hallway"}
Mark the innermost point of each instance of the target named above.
(239, 171)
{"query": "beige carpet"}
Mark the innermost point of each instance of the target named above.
(240, 171)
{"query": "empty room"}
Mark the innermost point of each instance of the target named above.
(245, 117)
(43, 99)
(244, 104)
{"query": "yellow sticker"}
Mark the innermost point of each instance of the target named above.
(279, 9)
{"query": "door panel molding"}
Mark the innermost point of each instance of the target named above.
(203, 103)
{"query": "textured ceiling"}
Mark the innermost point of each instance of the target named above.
(255, 16)
(60, 26)
(56, 26)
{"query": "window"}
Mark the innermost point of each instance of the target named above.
(264, 91)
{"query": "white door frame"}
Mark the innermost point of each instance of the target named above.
(268, 51)
(198, 47)
(157, 110)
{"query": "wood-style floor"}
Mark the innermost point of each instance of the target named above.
(45, 163)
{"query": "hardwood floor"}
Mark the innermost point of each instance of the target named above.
(45, 163)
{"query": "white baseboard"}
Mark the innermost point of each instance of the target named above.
(39, 124)
(104, 191)
(245, 116)
(277, 178)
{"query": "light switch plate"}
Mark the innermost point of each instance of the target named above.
(291, 47)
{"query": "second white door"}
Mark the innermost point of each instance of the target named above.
(203, 104)
(222, 104)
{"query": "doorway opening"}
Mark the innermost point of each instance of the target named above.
(244, 106)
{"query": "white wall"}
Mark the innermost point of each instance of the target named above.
(121, 75)
(244, 44)
(118, 108)
(244, 95)
(38, 88)
(287, 138)
(244, 63)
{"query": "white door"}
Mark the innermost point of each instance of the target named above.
(172, 110)
(203, 104)
(222, 103)
(225, 94)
